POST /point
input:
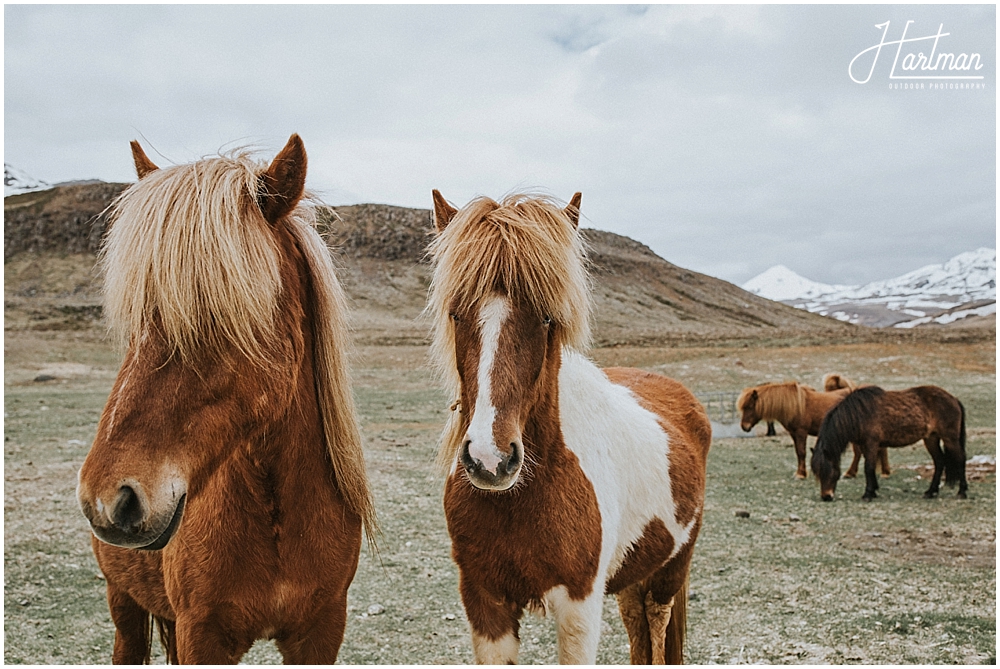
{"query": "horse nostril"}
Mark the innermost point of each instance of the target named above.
(514, 461)
(127, 514)
(470, 463)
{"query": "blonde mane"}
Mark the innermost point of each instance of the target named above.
(190, 244)
(836, 382)
(781, 402)
(525, 246)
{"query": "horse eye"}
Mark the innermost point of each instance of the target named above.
(547, 320)
(454, 317)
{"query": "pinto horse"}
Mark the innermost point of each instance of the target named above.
(226, 485)
(565, 481)
(874, 418)
(836, 382)
(799, 409)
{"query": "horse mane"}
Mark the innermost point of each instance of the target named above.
(333, 383)
(835, 381)
(845, 421)
(189, 252)
(525, 246)
(781, 402)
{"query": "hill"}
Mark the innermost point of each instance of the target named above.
(51, 238)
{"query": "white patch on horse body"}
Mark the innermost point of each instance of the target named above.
(578, 624)
(501, 651)
(624, 453)
(482, 445)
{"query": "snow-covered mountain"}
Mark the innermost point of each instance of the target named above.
(963, 286)
(15, 182)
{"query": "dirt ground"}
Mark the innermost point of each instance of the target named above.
(899, 580)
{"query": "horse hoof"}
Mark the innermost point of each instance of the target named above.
(800, 476)
(961, 495)
(930, 494)
(849, 475)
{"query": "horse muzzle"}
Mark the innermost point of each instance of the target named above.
(129, 521)
(503, 473)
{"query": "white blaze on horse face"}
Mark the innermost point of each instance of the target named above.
(482, 445)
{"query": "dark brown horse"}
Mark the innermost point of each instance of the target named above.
(565, 481)
(226, 486)
(874, 418)
(799, 409)
(836, 382)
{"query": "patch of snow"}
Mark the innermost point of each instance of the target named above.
(16, 182)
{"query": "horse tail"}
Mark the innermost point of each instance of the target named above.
(168, 639)
(673, 650)
(955, 462)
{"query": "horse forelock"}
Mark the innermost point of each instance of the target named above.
(188, 246)
(526, 247)
(780, 402)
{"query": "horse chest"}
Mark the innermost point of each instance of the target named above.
(521, 545)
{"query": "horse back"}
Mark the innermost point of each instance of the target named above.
(942, 411)
(681, 415)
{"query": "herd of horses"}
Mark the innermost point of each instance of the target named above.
(869, 418)
(226, 485)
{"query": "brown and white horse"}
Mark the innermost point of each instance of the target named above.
(565, 481)
(226, 484)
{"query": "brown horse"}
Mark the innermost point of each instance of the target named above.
(565, 482)
(226, 484)
(799, 409)
(836, 382)
(874, 418)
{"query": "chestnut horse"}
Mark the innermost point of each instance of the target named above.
(836, 382)
(226, 484)
(874, 418)
(799, 409)
(565, 481)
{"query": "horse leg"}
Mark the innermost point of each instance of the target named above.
(933, 445)
(883, 460)
(852, 471)
(799, 439)
(632, 606)
(494, 624)
(318, 640)
(578, 624)
(168, 638)
(132, 628)
(204, 640)
(871, 481)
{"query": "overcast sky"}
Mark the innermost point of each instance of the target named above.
(728, 139)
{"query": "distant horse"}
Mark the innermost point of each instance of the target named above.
(226, 484)
(565, 481)
(799, 409)
(874, 418)
(836, 382)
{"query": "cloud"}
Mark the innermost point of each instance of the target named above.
(728, 139)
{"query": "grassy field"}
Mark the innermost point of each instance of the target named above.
(899, 580)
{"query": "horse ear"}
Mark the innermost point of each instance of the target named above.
(284, 181)
(573, 210)
(753, 395)
(143, 165)
(443, 212)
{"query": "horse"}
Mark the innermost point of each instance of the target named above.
(799, 409)
(225, 487)
(835, 381)
(874, 418)
(564, 481)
